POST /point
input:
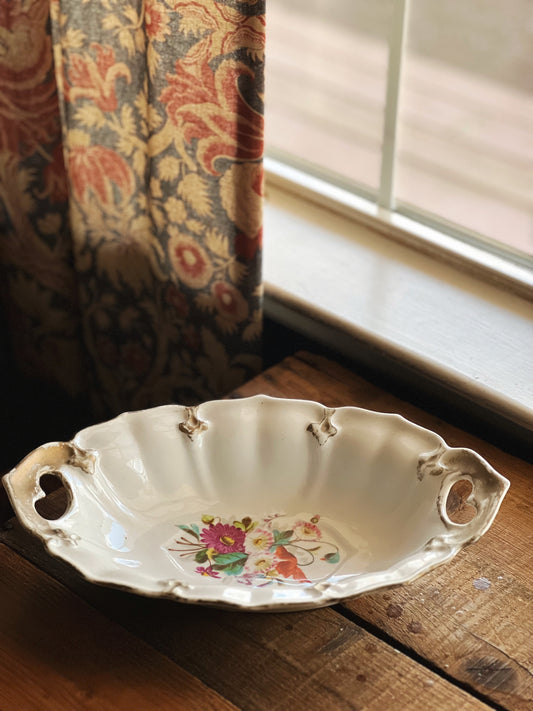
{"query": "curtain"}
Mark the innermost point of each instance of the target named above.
(131, 141)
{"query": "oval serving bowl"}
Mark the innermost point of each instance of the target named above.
(259, 503)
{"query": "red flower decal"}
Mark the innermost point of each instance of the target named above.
(287, 565)
(95, 78)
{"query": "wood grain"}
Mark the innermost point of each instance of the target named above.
(56, 652)
(260, 662)
(483, 638)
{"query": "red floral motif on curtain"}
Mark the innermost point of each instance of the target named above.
(162, 138)
(95, 78)
(28, 101)
(195, 110)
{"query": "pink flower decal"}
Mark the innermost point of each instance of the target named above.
(207, 572)
(307, 530)
(224, 538)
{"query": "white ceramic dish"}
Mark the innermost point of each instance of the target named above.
(260, 503)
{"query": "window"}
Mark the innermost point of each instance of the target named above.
(424, 109)
(412, 121)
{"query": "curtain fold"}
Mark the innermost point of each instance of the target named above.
(131, 141)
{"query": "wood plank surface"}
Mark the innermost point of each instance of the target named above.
(398, 649)
(57, 652)
(483, 638)
(311, 661)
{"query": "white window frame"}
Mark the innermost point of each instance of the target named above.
(460, 245)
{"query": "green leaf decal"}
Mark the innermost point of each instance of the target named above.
(284, 536)
(191, 531)
(234, 569)
(230, 558)
(201, 556)
(332, 557)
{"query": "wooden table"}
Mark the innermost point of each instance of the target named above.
(437, 643)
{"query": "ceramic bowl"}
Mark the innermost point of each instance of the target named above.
(259, 503)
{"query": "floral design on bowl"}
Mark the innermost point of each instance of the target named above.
(258, 552)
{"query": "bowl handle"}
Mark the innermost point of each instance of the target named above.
(23, 482)
(488, 489)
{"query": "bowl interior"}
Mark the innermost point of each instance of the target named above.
(253, 490)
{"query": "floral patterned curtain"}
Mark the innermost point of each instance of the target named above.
(131, 139)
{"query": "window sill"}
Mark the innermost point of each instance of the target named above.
(349, 286)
